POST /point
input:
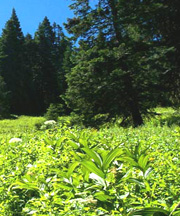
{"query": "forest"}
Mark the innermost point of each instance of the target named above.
(90, 118)
(122, 59)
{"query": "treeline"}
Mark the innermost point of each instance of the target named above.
(32, 68)
(126, 62)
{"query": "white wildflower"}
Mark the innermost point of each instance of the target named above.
(50, 122)
(15, 140)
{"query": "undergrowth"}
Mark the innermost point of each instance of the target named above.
(67, 170)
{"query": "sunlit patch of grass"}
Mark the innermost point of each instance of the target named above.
(23, 124)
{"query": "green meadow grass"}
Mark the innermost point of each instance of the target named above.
(23, 124)
(67, 170)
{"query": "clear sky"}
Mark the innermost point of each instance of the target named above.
(32, 12)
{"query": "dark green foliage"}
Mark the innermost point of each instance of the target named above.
(48, 73)
(45, 76)
(30, 49)
(169, 28)
(4, 100)
(127, 61)
(11, 62)
(33, 67)
(61, 52)
(96, 86)
(120, 65)
(54, 111)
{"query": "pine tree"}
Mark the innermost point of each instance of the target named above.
(45, 74)
(11, 62)
(30, 62)
(120, 75)
(60, 46)
(167, 21)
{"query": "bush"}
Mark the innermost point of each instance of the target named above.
(54, 111)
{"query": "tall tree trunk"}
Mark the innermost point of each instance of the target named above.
(133, 99)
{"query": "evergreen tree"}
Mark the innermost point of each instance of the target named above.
(117, 69)
(167, 21)
(67, 60)
(60, 46)
(45, 74)
(30, 62)
(11, 62)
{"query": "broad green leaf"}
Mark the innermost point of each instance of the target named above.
(104, 154)
(65, 187)
(93, 188)
(143, 161)
(137, 150)
(61, 140)
(24, 186)
(130, 161)
(71, 168)
(93, 155)
(137, 181)
(127, 175)
(86, 173)
(111, 157)
(150, 212)
(72, 135)
(83, 142)
(76, 156)
(128, 153)
(176, 213)
(73, 144)
(98, 179)
(93, 168)
(102, 196)
(148, 171)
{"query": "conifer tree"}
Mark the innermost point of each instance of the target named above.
(167, 21)
(45, 75)
(120, 57)
(30, 62)
(11, 62)
(113, 67)
(60, 46)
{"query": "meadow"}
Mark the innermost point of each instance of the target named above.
(63, 169)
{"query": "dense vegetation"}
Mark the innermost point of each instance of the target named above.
(121, 63)
(64, 170)
(122, 60)
(32, 67)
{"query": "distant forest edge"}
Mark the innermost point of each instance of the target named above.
(125, 64)
(32, 68)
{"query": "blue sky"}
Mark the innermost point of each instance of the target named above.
(32, 12)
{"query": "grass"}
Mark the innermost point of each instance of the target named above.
(65, 170)
(23, 124)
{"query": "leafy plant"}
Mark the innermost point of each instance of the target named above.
(75, 171)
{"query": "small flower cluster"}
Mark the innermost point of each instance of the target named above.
(48, 125)
(15, 140)
(50, 122)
